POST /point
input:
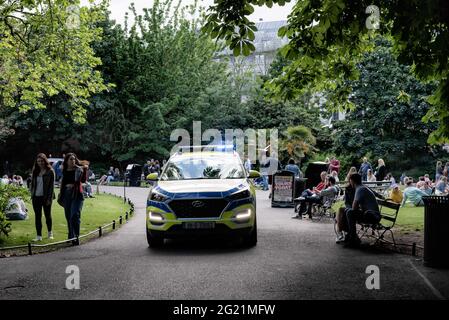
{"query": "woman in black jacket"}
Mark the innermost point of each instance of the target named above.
(381, 170)
(42, 193)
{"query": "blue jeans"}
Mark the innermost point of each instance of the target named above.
(265, 182)
(72, 210)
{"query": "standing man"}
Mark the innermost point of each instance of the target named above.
(363, 171)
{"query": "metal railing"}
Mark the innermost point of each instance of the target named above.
(29, 246)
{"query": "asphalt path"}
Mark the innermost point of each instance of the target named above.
(293, 260)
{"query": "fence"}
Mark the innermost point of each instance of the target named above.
(113, 225)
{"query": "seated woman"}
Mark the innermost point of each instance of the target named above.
(370, 176)
(328, 194)
(396, 194)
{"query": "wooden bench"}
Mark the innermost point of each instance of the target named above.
(389, 212)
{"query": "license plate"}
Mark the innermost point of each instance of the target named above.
(198, 225)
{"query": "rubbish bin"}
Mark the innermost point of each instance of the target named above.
(436, 231)
(313, 173)
(300, 186)
(133, 173)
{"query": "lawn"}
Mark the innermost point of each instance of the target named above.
(96, 212)
(409, 218)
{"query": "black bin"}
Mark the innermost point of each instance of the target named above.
(300, 186)
(134, 173)
(436, 231)
(313, 172)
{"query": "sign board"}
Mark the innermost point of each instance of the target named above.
(283, 189)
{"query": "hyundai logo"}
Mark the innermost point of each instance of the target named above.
(197, 204)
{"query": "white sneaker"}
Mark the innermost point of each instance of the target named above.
(50, 235)
(340, 237)
(38, 238)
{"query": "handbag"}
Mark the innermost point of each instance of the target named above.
(60, 199)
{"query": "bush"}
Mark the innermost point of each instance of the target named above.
(7, 192)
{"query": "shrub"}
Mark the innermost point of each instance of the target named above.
(7, 192)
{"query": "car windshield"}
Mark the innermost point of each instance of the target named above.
(203, 167)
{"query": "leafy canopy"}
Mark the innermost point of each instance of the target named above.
(328, 37)
(45, 50)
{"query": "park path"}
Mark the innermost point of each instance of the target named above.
(293, 260)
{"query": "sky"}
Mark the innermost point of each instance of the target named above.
(119, 7)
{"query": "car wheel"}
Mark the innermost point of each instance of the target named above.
(250, 240)
(154, 242)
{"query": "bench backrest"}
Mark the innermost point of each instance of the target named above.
(388, 210)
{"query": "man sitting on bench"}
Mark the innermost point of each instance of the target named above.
(364, 209)
(320, 197)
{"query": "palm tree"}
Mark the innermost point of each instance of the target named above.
(297, 142)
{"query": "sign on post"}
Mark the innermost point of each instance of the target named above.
(283, 189)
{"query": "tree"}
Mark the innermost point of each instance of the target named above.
(296, 143)
(45, 50)
(386, 121)
(327, 38)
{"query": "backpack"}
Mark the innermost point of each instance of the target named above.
(16, 209)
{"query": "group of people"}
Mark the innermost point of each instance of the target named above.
(74, 175)
(152, 166)
(111, 175)
(15, 180)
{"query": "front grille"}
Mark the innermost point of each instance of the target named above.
(198, 208)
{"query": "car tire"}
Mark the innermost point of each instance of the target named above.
(250, 240)
(154, 242)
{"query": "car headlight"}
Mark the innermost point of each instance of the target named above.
(243, 215)
(155, 217)
(240, 195)
(156, 196)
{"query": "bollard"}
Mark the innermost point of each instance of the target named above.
(121, 220)
(100, 231)
(414, 249)
(113, 224)
(29, 249)
(126, 215)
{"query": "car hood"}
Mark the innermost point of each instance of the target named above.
(203, 185)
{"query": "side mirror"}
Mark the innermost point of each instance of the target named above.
(153, 176)
(253, 174)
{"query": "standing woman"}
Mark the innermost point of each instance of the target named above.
(439, 171)
(42, 193)
(381, 170)
(74, 174)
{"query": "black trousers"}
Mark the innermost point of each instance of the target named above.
(38, 205)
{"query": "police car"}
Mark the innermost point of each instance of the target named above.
(205, 192)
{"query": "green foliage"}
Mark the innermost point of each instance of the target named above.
(386, 121)
(7, 192)
(296, 143)
(45, 50)
(327, 38)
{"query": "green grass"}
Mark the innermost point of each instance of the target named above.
(96, 212)
(409, 218)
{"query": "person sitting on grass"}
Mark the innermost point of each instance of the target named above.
(325, 195)
(412, 194)
(364, 209)
(396, 194)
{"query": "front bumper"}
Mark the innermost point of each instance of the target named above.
(225, 225)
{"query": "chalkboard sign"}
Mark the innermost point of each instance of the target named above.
(283, 188)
